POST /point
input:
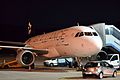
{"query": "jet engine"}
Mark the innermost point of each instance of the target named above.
(25, 57)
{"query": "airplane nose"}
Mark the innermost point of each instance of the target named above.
(94, 46)
(98, 43)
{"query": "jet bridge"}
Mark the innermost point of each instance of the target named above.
(110, 36)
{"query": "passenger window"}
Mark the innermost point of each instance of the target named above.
(81, 34)
(61, 60)
(103, 64)
(106, 64)
(114, 58)
(88, 33)
(95, 34)
(53, 59)
(77, 34)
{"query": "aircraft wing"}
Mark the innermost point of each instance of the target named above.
(10, 43)
(19, 45)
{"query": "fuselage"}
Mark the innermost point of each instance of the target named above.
(79, 41)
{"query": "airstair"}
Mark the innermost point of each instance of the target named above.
(110, 35)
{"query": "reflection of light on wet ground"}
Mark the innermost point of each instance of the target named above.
(88, 78)
(46, 73)
(91, 77)
(40, 69)
(70, 78)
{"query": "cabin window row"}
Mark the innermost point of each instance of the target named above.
(79, 34)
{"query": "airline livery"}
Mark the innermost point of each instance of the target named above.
(76, 41)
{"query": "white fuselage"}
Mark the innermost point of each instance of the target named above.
(79, 41)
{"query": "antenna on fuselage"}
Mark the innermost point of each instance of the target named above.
(78, 24)
(29, 28)
(43, 32)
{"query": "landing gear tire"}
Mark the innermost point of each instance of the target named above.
(84, 76)
(32, 66)
(51, 65)
(114, 74)
(6, 67)
(100, 75)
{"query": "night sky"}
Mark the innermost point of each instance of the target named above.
(49, 15)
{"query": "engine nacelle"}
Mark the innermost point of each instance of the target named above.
(25, 58)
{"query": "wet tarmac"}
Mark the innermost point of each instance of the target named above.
(46, 73)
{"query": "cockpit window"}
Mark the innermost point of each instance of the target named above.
(81, 34)
(88, 34)
(77, 34)
(95, 34)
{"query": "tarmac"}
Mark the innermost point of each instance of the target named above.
(46, 73)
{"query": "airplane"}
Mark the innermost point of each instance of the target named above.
(75, 41)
